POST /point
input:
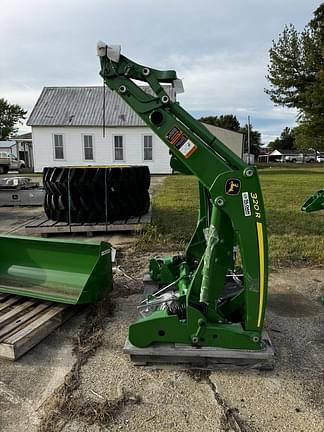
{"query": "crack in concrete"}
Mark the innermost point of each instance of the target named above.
(231, 421)
(60, 408)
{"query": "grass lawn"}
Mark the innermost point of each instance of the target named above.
(295, 237)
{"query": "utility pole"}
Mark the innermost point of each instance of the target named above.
(248, 141)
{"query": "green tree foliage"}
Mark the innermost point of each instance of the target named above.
(310, 134)
(230, 122)
(286, 141)
(296, 77)
(10, 115)
(293, 67)
(227, 121)
(255, 139)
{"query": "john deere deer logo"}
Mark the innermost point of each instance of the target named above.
(232, 186)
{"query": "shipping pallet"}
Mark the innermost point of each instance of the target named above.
(46, 226)
(179, 356)
(24, 322)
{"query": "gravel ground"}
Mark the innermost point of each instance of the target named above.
(286, 399)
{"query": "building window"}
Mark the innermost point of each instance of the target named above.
(88, 147)
(118, 148)
(148, 147)
(58, 147)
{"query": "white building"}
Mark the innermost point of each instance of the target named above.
(9, 146)
(21, 147)
(67, 129)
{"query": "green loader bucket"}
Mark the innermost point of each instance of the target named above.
(62, 271)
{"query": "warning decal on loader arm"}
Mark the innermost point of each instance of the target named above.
(177, 138)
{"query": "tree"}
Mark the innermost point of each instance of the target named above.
(10, 115)
(309, 134)
(255, 139)
(227, 121)
(286, 141)
(296, 76)
(292, 67)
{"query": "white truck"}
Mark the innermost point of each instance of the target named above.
(320, 157)
(9, 161)
(300, 158)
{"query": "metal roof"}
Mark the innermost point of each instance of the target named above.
(26, 136)
(83, 106)
(7, 144)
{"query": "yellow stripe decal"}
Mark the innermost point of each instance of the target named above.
(261, 270)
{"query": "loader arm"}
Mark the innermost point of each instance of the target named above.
(231, 217)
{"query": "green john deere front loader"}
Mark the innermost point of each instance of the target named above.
(204, 298)
(210, 299)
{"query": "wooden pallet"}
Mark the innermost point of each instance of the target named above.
(181, 356)
(43, 225)
(24, 322)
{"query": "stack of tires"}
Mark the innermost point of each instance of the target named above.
(95, 195)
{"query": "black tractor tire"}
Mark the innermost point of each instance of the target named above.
(93, 195)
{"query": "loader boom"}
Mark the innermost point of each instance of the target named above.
(207, 310)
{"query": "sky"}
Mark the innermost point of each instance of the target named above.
(220, 48)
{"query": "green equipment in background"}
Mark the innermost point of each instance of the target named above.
(207, 297)
(71, 272)
(315, 203)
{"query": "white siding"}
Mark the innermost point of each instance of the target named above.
(103, 147)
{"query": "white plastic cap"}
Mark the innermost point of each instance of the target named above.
(101, 49)
(177, 84)
(111, 51)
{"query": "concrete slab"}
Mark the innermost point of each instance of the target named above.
(169, 400)
(286, 399)
(13, 219)
(27, 383)
(291, 397)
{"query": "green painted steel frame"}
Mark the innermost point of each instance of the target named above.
(315, 202)
(72, 272)
(229, 215)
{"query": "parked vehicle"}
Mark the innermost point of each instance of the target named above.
(300, 158)
(9, 161)
(320, 158)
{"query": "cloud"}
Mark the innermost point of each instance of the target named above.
(219, 48)
(223, 82)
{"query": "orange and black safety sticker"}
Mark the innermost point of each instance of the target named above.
(232, 186)
(177, 138)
